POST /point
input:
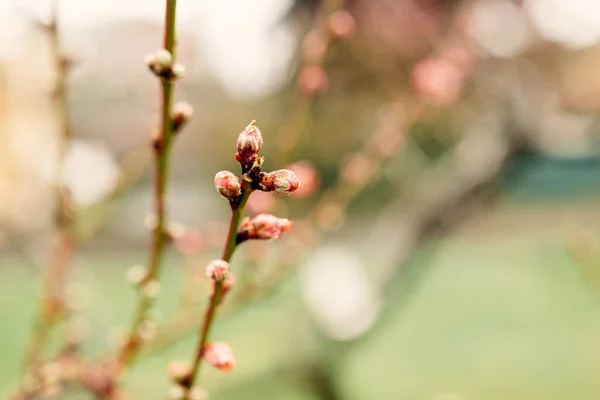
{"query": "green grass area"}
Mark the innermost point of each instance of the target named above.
(506, 318)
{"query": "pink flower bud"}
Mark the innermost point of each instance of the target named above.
(282, 181)
(218, 270)
(312, 80)
(438, 81)
(179, 371)
(341, 24)
(228, 185)
(249, 141)
(264, 227)
(219, 355)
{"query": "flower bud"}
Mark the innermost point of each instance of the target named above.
(249, 141)
(228, 185)
(341, 24)
(219, 355)
(312, 80)
(182, 113)
(437, 81)
(282, 181)
(218, 270)
(263, 227)
(160, 61)
(179, 371)
(136, 274)
(150, 288)
(178, 71)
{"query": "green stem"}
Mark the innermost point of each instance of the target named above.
(215, 299)
(161, 167)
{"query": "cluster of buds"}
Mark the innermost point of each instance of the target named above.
(263, 227)
(249, 143)
(162, 65)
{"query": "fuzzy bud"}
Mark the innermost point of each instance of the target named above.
(282, 181)
(249, 141)
(219, 355)
(178, 71)
(341, 24)
(136, 274)
(181, 115)
(228, 185)
(263, 227)
(179, 371)
(162, 64)
(218, 270)
(160, 61)
(312, 80)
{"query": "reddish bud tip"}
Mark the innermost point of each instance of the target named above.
(219, 355)
(218, 270)
(264, 227)
(282, 181)
(249, 141)
(228, 185)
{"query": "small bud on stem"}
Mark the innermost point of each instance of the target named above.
(162, 65)
(179, 371)
(181, 115)
(219, 355)
(249, 144)
(282, 181)
(228, 185)
(263, 227)
(218, 270)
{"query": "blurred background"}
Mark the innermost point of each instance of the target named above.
(446, 233)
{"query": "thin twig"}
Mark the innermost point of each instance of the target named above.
(64, 245)
(215, 299)
(389, 130)
(161, 164)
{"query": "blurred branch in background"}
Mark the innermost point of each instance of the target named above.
(52, 305)
(172, 118)
(331, 22)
